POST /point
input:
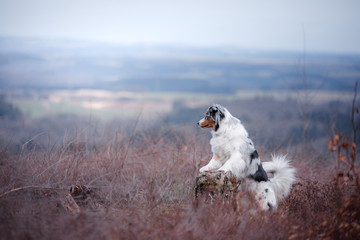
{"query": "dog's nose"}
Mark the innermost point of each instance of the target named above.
(198, 123)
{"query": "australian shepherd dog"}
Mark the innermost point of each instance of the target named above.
(234, 152)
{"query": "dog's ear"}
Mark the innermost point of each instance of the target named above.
(217, 113)
(218, 116)
(213, 110)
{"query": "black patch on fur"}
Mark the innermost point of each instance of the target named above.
(266, 190)
(254, 155)
(217, 115)
(260, 175)
(221, 114)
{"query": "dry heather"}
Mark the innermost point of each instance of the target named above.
(139, 184)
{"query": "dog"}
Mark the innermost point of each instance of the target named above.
(234, 152)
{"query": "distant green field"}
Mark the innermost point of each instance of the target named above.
(108, 105)
(42, 108)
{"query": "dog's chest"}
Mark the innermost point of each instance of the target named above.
(225, 146)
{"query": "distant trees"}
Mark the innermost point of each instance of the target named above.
(7, 110)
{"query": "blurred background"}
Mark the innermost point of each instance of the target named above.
(99, 101)
(286, 69)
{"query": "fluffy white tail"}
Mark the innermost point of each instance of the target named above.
(283, 175)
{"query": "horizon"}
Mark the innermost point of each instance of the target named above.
(168, 47)
(74, 64)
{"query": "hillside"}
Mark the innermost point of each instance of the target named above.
(140, 183)
(99, 141)
(65, 64)
(134, 179)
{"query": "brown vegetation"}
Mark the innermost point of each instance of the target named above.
(139, 183)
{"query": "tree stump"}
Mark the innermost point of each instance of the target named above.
(70, 205)
(216, 183)
(80, 196)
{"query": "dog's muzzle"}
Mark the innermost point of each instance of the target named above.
(200, 122)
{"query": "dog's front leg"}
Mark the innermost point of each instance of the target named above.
(213, 164)
(236, 165)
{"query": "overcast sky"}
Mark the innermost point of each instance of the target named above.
(326, 25)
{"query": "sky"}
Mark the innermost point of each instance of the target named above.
(320, 25)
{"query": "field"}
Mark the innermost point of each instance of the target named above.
(133, 177)
(109, 105)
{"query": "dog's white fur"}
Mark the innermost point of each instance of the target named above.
(269, 193)
(234, 151)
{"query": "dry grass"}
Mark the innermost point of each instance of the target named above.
(142, 184)
(137, 182)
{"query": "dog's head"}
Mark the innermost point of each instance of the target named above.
(213, 117)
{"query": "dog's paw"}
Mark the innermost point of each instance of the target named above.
(228, 174)
(203, 170)
(222, 174)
